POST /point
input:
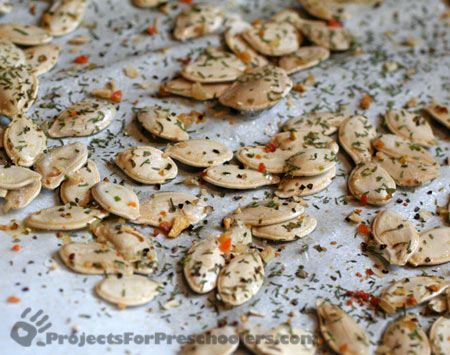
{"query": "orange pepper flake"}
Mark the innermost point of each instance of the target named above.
(358, 274)
(73, 113)
(165, 228)
(225, 245)
(186, 1)
(132, 204)
(161, 172)
(364, 229)
(151, 30)
(344, 348)
(16, 247)
(271, 147)
(379, 144)
(82, 59)
(244, 56)
(434, 287)
(365, 101)
(350, 302)
(116, 96)
(262, 167)
(363, 200)
(13, 299)
(163, 213)
(334, 23)
(299, 88)
(369, 272)
(258, 156)
(256, 22)
(442, 109)
(411, 301)
(231, 123)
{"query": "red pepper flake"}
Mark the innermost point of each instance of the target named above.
(365, 101)
(379, 144)
(16, 247)
(13, 299)
(271, 147)
(202, 173)
(442, 109)
(116, 96)
(374, 301)
(186, 1)
(151, 30)
(155, 233)
(334, 23)
(132, 204)
(363, 200)
(358, 274)
(165, 228)
(82, 59)
(364, 229)
(411, 301)
(369, 272)
(261, 167)
(350, 302)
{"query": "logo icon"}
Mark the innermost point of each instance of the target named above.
(23, 332)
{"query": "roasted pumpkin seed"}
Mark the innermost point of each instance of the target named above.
(304, 58)
(287, 231)
(64, 16)
(434, 247)
(42, 58)
(355, 135)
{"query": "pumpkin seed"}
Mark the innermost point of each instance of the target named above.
(15, 177)
(200, 347)
(201, 153)
(411, 292)
(370, 183)
(252, 333)
(20, 198)
(64, 16)
(434, 247)
(304, 139)
(399, 147)
(24, 141)
(148, 3)
(287, 231)
(240, 234)
(297, 341)
(129, 243)
(303, 186)
(340, 330)
(407, 173)
(18, 90)
(198, 20)
(77, 188)
(241, 279)
(234, 177)
(355, 135)
(439, 303)
(258, 89)
(254, 156)
(11, 55)
(24, 35)
(411, 127)
(304, 58)
(325, 9)
(273, 38)
(202, 264)
(66, 217)
(396, 238)
(93, 258)
(311, 162)
(234, 41)
(5, 6)
(332, 38)
(287, 15)
(439, 113)
(82, 119)
(42, 58)
(405, 336)
(60, 162)
(166, 206)
(326, 123)
(116, 199)
(128, 290)
(196, 91)
(214, 66)
(440, 336)
(264, 213)
(147, 165)
(162, 123)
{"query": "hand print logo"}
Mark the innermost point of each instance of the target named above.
(23, 332)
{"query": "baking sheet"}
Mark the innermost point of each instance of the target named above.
(41, 281)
